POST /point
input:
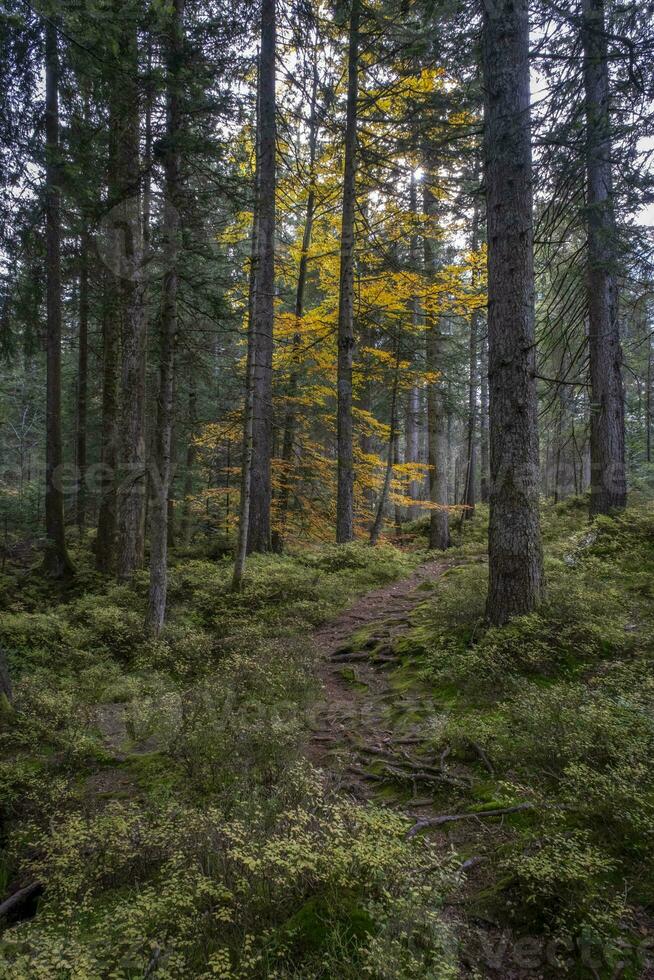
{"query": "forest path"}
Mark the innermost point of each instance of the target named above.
(373, 730)
(378, 735)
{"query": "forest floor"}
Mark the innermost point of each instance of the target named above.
(392, 732)
(340, 771)
(373, 737)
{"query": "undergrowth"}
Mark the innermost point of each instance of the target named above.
(202, 845)
(555, 711)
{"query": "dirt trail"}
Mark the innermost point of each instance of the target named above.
(371, 733)
(378, 736)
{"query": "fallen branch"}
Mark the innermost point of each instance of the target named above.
(425, 774)
(452, 817)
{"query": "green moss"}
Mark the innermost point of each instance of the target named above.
(153, 772)
(311, 928)
(351, 676)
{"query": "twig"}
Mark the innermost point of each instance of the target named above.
(484, 758)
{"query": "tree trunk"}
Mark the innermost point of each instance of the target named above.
(191, 456)
(437, 415)
(105, 545)
(483, 424)
(248, 407)
(607, 437)
(6, 693)
(471, 462)
(648, 402)
(259, 538)
(290, 420)
(56, 561)
(131, 464)
(397, 460)
(82, 380)
(557, 453)
(344, 428)
(159, 510)
(515, 554)
(173, 467)
(413, 405)
(392, 449)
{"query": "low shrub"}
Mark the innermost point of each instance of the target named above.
(567, 883)
(36, 639)
(555, 710)
(233, 733)
(324, 889)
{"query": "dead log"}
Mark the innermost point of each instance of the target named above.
(20, 898)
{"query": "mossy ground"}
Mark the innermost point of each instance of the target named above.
(554, 710)
(160, 793)
(160, 790)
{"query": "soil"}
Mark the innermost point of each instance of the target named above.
(369, 731)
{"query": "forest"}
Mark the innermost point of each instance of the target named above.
(326, 489)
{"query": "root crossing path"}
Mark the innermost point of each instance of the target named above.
(372, 732)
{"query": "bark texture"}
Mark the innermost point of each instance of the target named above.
(131, 463)
(344, 427)
(515, 556)
(82, 380)
(105, 544)
(483, 423)
(471, 436)
(437, 413)
(161, 471)
(259, 534)
(56, 560)
(607, 436)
